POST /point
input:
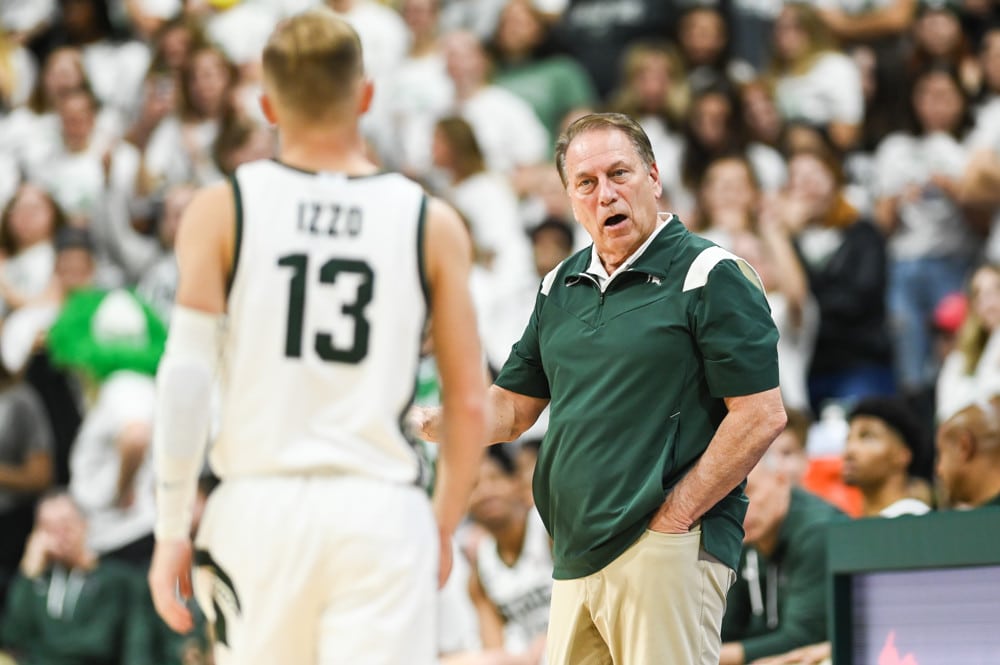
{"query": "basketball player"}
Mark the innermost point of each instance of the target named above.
(304, 283)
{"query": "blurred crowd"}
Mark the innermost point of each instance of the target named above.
(849, 150)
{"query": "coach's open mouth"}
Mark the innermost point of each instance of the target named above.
(614, 220)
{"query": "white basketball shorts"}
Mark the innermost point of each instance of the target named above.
(319, 570)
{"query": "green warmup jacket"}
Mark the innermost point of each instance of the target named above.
(779, 604)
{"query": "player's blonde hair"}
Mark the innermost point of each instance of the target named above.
(313, 63)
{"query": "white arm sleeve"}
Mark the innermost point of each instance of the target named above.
(180, 428)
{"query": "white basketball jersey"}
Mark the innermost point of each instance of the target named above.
(521, 592)
(325, 316)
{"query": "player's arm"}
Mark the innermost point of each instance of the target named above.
(184, 380)
(448, 249)
(490, 621)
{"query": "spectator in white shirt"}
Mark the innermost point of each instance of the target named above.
(485, 198)
(814, 81)
(180, 149)
(931, 245)
(508, 131)
(27, 229)
(415, 94)
(971, 371)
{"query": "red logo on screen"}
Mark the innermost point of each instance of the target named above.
(890, 655)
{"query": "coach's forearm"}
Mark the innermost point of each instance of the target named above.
(510, 414)
(743, 437)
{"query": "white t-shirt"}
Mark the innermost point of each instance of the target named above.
(25, 15)
(957, 390)
(116, 72)
(384, 36)
(125, 398)
(829, 92)
(35, 138)
(853, 7)
(415, 95)
(490, 205)
(179, 153)
(477, 16)
(285, 8)
(162, 9)
(795, 348)
(76, 179)
(30, 272)
(933, 224)
(505, 313)
(242, 31)
(508, 131)
(985, 135)
(985, 132)
(905, 507)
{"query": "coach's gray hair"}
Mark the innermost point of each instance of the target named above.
(597, 121)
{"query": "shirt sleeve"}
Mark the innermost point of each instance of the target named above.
(734, 330)
(523, 372)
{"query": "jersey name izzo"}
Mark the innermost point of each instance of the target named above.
(329, 219)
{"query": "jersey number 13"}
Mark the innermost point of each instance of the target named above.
(326, 347)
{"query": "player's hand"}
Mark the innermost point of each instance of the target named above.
(444, 557)
(170, 583)
(425, 422)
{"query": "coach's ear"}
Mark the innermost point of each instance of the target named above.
(268, 109)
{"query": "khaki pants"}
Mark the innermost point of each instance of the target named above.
(660, 603)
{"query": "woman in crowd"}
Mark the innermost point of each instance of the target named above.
(938, 40)
(972, 371)
(180, 150)
(918, 178)
(715, 128)
(845, 260)
(33, 131)
(524, 64)
(735, 215)
(27, 228)
(813, 81)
